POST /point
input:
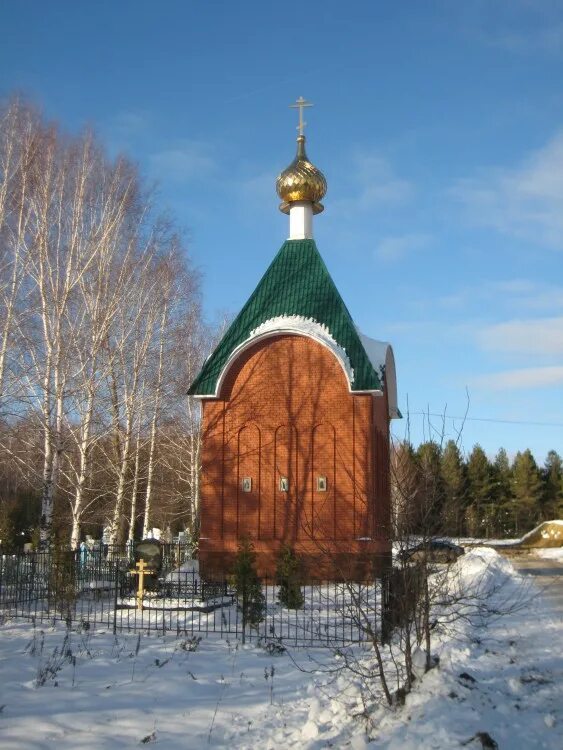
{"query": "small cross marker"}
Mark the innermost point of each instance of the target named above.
(141, 569)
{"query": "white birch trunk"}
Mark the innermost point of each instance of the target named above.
(83, 448)
(154, 422)
(16, 148)
(195, 467)
(135, 488)
(47, 491)
(115, 526)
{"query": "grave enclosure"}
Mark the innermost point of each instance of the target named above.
(101, 593)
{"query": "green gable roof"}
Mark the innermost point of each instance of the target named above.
(296, 283)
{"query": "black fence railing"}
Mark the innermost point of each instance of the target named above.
(101, 591)
(173, 554)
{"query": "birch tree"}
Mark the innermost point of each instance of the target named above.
(19, 141)
(99, 300)
(180, 438)
(73, 219)
(158, 384)
(128, 349)
(94, 288)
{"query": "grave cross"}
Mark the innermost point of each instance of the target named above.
(141, 569)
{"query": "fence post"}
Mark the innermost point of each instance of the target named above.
(386, 605)
(244, 606)
(116, 582)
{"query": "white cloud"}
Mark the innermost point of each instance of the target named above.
(378, 184)
(396, 248)
(533, 377)
(126, 131)
(544, 37)
(517, 26)
(514, 286)
(525, 201)
(187, 161)
(537, 336)
(523, 293)
(258, 189)
(368, 183)
(511, 294)
(130, 123)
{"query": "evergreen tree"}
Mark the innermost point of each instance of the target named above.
(453, 478)
(431, 488)
(19, 514)
(288, 578)
(250, 599)
(480, 492)
(502, 476)
(7, 530)
(552, 500)
(527, 491)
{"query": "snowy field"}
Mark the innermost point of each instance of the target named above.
(502, 676)
(555, 553)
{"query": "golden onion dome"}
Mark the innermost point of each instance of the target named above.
(301, 181)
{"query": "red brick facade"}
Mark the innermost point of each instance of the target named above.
(285, 411)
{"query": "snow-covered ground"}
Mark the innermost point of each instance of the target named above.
(553, 553)
(503, 677)
(476, 541)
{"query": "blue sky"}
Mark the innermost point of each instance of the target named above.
(439, 127)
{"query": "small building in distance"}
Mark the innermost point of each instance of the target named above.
(296, 407)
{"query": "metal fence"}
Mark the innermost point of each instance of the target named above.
(100, 591)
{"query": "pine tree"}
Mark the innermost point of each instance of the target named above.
(502, 476)
(552, 500)
(454, 483)
(288, 578)
(7, 530)
(480, 486)
(527, 490)
(431, 488)
(251, 601)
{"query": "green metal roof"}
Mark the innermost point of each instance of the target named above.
(296, 283)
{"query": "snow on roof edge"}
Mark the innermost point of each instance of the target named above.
(306, 327)
(380, 354)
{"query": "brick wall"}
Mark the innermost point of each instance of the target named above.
(285, 411)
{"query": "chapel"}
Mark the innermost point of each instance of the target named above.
(296, 410)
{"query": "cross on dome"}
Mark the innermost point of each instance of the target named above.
(301, 186)
(300, 104)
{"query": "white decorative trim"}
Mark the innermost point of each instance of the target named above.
(300, 326)
(306, 327)
(379, 353)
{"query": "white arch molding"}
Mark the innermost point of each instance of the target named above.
(249, 343)
(379, 353)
